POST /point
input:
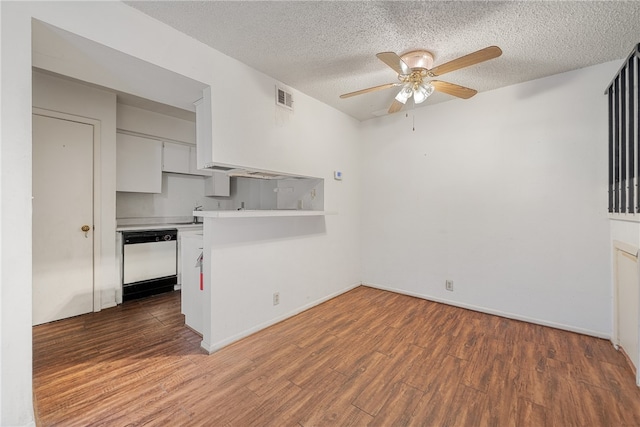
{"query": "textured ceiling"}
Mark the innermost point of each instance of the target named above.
(327, 48)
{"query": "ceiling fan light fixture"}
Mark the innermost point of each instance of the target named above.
(422, 92)
(404, 94)
(415, 66)
(418, 59)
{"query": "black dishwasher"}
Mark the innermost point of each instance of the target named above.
(149, 262)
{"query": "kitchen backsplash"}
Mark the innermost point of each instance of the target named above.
(180, 195)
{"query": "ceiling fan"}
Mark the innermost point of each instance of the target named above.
(414, 68)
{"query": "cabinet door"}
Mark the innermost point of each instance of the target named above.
(138, 164)
(193, 164)
(175, 157)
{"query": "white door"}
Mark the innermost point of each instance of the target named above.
(62, 205)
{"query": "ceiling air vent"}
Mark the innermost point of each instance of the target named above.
(284, 98)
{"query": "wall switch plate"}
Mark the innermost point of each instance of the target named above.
(449, 285)
(276, 298)
(337, 175)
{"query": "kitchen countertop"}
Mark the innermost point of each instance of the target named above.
(180, 226)
(259, 213)
(183, 223)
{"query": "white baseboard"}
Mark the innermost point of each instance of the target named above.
(109, 305)
(211, 348)
(514, 316)
(107, 299)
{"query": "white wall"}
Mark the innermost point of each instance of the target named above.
(314, 142)
(269, 137)
(505, 194)
(305, 259)
(270, 249)
(15, 220)
(253, 193)
(307, 194)
(151, 123)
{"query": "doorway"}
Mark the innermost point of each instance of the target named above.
(64, 243)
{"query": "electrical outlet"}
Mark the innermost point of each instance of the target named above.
(449, 285)
(276, 298)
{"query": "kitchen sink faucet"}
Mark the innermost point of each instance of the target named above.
(196, 219)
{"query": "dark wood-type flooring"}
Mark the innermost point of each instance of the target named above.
(367, 357)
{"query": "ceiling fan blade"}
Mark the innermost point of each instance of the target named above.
(370, 89)
(453, 89)
(395, 107)
(395, 62)
(466, 61)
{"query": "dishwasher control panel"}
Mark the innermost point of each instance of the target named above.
(147, 236)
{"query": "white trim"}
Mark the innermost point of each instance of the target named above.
(631, 251)
(159, 138)
(624, 217)
(97, 207)
(212, 348)
(597, 334)
(625, 247)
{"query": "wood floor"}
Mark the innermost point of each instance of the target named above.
(367, 357)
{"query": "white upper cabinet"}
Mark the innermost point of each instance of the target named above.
(181, 158)
(219, 184)
(176, 157)
(138, 164)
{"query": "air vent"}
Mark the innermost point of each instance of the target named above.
(284, 98)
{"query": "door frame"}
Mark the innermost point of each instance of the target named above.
(97, 224)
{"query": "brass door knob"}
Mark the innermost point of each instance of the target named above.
(85, 228)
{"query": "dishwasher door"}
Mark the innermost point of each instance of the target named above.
(149, 263)
(152, 260)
